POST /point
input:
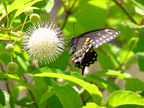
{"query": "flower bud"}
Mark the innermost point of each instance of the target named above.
(12, 67)
(34, 18)
(28, 11)
(9, 47)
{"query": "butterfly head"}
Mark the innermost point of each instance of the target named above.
(72, 44)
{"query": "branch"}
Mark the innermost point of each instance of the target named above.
(7, 86)
(68, 13)
(124, 9)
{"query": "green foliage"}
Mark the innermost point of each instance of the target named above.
(124, 98)
(58, 84)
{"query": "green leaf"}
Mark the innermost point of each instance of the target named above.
(46, 95)
(3, 50)
(132, 25)
(40, 87)
(100, 82)
(141, 61)
(2, 98)
(91, 88)
(22, 63)
(4, 4)
(104, 60)
(140, 47)
(68, 96)
(16, 91)
(113, 73)
(14, 77)
(84, 23)
(21, 9)
(5, 7)
(5, 100)
(20, 5)
(121, 97)
(91, 105)
(125, 54)
(54, 102)
(6, 37)
(61, 62)
(112, 52)
(134, 84)
(139, 3)
(15, 5)
(49, 5)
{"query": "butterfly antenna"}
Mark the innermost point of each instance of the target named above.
(74, 28)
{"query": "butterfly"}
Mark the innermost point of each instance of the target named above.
(84, 45)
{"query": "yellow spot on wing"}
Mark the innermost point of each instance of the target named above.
(91, 50)
(93, 58)
(87, 39)
(95, 54)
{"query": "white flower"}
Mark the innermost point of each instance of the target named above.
(44, 42)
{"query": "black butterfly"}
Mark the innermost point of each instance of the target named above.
(83, 45)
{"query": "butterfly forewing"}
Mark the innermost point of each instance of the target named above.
(99, 37)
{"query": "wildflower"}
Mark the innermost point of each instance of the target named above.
(44, 42)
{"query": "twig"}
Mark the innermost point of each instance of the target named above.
(66, 18)
(19, 26)
(68, 13)
(21, 30)
(142, 20)
(31, 94)
(3, 29)
(7, 86)
(124, 9)
(121, 2)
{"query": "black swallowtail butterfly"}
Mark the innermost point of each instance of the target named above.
(84, 44)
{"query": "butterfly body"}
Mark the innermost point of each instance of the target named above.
(84, 44)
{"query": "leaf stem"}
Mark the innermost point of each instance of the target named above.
(21, 30)
(19, 26)
(125, 10)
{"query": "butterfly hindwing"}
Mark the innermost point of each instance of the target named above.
(79, 55)
(88, 59)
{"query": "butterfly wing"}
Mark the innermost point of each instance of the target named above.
(98, 37)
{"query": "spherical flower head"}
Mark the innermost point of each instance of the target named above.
(9, 47)
(28, 11)
(44, 42)
(34, 18)
(12, 67)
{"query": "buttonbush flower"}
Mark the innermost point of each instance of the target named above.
(44, 42)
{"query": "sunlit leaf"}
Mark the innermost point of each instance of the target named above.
(91, 105)
(91, 88)
(121, 97)
(49, 5)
